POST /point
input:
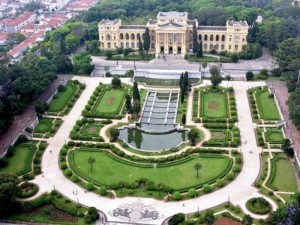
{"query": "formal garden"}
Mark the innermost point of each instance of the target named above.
(216, 109)
(270, 137)
(47, 127)
(65, 98)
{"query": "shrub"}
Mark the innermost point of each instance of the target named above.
(89, 186)
(31, 189)
(177, 196)
(220, 183)
(207, 188)
(258, 206)
(103, 191)
(68, 172)
(236, 168)
(42, 146)
(63, 166)
(192, 193)
(177, 219)
(74, 178)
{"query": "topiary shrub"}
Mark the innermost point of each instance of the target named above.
(220, 183)
(74, 178)
(176, 196)
(68, 172)
(27, 190)
(103, 191)
(63, 165)
(89, 186)
(236, 168)
(207, 188)
(258, 206)
(193, 193)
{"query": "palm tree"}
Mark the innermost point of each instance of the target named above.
(197, 167)
(91, 161)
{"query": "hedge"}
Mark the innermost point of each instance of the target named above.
(21, 194)
(264, 208)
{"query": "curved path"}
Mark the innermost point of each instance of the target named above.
(238, 191)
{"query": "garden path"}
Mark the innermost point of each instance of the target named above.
(238, 191)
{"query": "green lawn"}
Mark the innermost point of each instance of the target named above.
(110, 171)
(163, 82)
(61, 99)
(47, 127)
(284, 179)
(133, 57)
(20, 162)
(208, 59)
(111, 101)
(267, 106)
(214, 105)
(274, 136)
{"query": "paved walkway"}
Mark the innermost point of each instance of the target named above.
(238, 191)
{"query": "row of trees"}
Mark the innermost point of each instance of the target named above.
(133, 105)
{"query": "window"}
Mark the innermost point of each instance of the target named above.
(122, 45)
(114, 37)
(229, 47)
(127, 45)
(236, 48)
(138, 36)
(223, 37)
(127, 36)
(132, 36)
(217, 37)
(108, 37)
(211, 37)
(229, 39)
(205, 46)
(132, 45)
(200, 37)
(211, 47)
(121, 36)
(217, 47)
(205, 37)
(102, 37)
(222, 46)
(152, 45)
(108, 45)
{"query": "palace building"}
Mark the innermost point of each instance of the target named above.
(172, 33)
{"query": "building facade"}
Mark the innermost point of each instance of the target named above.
(172, 33)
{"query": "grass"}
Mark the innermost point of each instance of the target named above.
(21, 161)
(214, 105)
(61, 99)
(208, 59)
(164, 82)
(266, 105)
(47, 127)
(111, 171)
(111, 101)
(134, 57)
(284, 179)
(274, 136)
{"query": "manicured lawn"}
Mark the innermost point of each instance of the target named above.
(267, 106)
(284, 179)
(61, 99)
(193, 58)
(47, 127)
(214, 105)
(134, 57)
(107, 170)
(163, 82)
(111, 101)
(274, 136)
(20, 162)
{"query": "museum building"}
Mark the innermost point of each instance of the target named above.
(172, 33)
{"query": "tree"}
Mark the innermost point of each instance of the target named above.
(136, 92)
(197, 167)
(195, 42)
(128, 103)
(109, 55)
(91, 161)
(183, 119)
(136, 107)
(193, 136)
(209, 217)
(234, 57)
(114, 134)
(249, 75)
(294, 107)
(41, 108)
(82, 63)
(8, 190)
(147, 40)
(177, 219)
(200, 50)
(247, 220)
(215, 78)
(140, 44)
(116, 83)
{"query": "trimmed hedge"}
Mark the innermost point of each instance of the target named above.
(33, 189)
(258, 206)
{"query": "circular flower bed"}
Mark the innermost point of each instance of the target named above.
(27, 190)
(258, 206)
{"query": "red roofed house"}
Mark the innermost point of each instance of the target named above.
(14, 25)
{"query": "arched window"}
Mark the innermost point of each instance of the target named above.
(222, 46)
(205, 46)
(108, 37)
(217, 38)
(236, 48)
(108, 45)
(122, 45)
(211, 47)
(205, 37)
(138, 36)
(223, 37)
(127, 36)
(217, 47)
(127, 44)
(200, 37)
(132, 44)
(211, 37)
(121, 36)
(132, 36)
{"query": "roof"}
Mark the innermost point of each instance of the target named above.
(170, 24)
(212, 28)
(172, 14)
(109, 22)
(20, 19)
(237, 23)
(137, 27)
